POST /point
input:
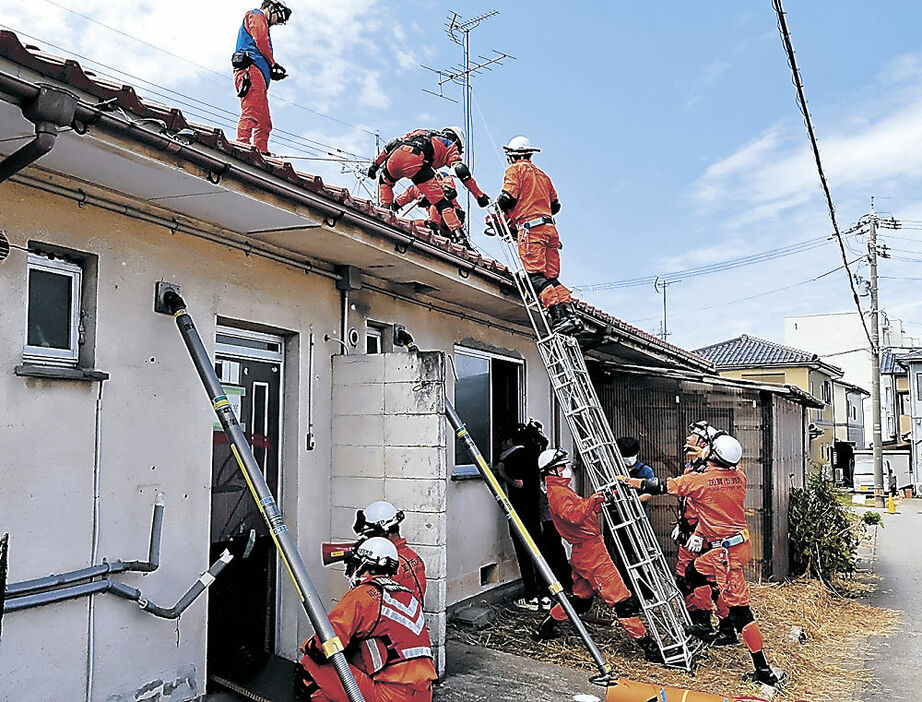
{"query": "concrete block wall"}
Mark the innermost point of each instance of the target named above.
(389, 443)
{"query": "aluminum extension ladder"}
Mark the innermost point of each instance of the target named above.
(651, 579)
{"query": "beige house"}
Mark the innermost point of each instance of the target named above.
(296, 288)
(751, 358)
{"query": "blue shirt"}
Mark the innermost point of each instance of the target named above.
(642, 470)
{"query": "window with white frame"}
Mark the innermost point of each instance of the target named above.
(373, 339)
(489, 395)
(53, 299)
(919, 386)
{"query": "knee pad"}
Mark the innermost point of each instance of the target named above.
(627, 608)
(442, 205)
(553, 281)
(539, 282)
(694, 578)
(741, 616)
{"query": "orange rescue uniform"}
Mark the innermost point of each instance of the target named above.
(255, 121)
(414, 194)
(538, 245)
(577, 521)
(412, 571)
(383, 624)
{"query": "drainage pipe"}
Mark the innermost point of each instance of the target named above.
(127, 592)
(284, 543)
(50, 109)
(26, 587)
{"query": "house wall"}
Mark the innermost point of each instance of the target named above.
(155, 429)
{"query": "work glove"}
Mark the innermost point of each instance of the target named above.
(483, 200)
(312, 649)
(462, 215)
(598, 499)
(393, 207)
(635, 483)
(373, 171)
(423, 202)
(278, 72)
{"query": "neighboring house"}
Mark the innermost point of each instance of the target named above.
(751, 358)
(296, 288)
(848, 412)
(894, 401)
(840, 339)
(912, 362)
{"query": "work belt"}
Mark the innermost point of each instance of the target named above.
(736, 540)
(537, 222)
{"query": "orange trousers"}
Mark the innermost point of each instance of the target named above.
(404, 163)
(539, 249)
(725, 567)
(700, 598)
(255, 122)
(331, 689)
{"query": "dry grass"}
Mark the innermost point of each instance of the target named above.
(827, 668)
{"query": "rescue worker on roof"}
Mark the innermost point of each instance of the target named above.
(721, 540)
(417, 155)
(593, 572)
(529, 200)
(700, 594)
(435, 222)
(254, 68)
(381, 624)
(383, 519)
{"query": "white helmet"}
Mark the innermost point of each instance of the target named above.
(377, 519)
(725, 451)
(456, 135)
(375, 556)
(550, 459)
(520, 145)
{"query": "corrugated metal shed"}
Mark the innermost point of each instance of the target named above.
(769, 421)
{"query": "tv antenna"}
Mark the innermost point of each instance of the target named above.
(459, 31)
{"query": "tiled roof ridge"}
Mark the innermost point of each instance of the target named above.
(72, 74)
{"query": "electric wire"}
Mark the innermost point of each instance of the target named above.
(808, 122)
(717, 267)
(202, 107)
(200, 66)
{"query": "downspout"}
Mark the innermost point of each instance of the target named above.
(51, 109)
(94, 548)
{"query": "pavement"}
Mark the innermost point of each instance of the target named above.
(896, 662)
(477, 674)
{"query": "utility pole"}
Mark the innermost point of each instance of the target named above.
(459, 31)
(661, 284)
(877, 441)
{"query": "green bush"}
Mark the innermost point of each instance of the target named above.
(872, 519)
(823, 533)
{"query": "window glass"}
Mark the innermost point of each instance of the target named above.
(919, 386)
(472, 401)
(50, 309)
(373, 341)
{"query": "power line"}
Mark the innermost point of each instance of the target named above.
(808, 122)
(200, 66)
(717, 267)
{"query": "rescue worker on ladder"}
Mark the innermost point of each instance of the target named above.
(383, 519)
(383, 631)
(435, 221)
(721, 540)
(254, 68)
(700, 594)
(529, 200)
(593, 572)
(417, 155)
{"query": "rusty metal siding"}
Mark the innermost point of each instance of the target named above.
(658, 411)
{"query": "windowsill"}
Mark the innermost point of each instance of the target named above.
(35, 370)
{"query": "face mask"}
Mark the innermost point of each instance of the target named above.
(630, 461)
(566, 473)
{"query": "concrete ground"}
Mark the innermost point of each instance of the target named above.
(480, 675)
(896, 662)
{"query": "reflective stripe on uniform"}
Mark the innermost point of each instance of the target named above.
(418, 652)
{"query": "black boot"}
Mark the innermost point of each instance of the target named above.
(650, 650)
(764, 675)
(726, 634)
(547, 629)
(701, 626)
(567, 322)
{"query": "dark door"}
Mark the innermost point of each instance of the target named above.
(242, 602)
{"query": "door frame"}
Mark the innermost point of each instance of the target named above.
(230, 351)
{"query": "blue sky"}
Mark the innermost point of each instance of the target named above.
(669, 129)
